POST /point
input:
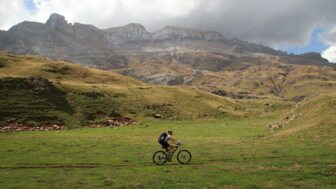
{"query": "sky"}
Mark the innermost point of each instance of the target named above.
(294, 26)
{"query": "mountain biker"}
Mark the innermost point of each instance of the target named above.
(166, 140)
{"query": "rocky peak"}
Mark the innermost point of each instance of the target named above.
(58, 22)
(135, 27)
(314, 57)
(87, 32)
(177, 33)
(241, 46)
(130, 33)
(129, 28)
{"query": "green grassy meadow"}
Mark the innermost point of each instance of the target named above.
(227, 153)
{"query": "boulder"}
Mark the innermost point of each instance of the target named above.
(158, 116)
(38, 83)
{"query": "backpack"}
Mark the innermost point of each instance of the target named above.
(162, 137)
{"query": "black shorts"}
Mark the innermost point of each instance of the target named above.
(165, 145)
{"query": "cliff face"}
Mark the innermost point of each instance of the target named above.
(59, 39)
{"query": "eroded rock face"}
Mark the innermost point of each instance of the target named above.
(167, 79)
(126, 34)
(58, 22)
(314, 56)
(38, 83)
(177, 33)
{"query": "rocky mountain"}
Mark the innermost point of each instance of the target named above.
(89, 45)
(58, 39)
(170, 56)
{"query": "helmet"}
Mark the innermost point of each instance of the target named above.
(170, 131)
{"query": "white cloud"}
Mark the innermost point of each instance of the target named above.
(329, 38)
(162, 8)
(83, 11)
(109, 13)
(102, 13)
(330, 53)
(12, 12)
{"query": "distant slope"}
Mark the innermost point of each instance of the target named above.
(228, 75)
(314, 117)
(38, 90)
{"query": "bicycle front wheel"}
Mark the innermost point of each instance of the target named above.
(184, 156)
(159, 158)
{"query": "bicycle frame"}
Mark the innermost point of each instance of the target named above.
(171, 153)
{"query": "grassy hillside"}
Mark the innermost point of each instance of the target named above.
(315, 114)
(39, 90)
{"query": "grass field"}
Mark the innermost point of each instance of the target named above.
(227, 153)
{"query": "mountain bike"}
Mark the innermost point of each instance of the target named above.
(183, 156)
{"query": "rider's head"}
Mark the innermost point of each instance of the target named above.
(170, 131)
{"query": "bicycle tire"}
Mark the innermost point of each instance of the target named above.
(159, 157)
(184, 157)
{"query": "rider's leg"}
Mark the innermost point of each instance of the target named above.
(171, 148)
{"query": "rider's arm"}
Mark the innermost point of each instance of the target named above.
(172, 141)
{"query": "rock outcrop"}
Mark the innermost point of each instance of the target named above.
(126, 34)
(177, 33)
(39, 84)
(58, 22)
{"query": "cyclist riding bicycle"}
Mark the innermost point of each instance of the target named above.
(171, 145)
(167, 141)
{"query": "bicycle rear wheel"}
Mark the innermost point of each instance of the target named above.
(184, 156)
(160, 158)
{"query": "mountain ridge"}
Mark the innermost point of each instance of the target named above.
(113, 39)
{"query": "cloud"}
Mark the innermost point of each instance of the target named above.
(329, 38)
(279, 24)
(12, 12)
(107, 13)
(330, 53)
